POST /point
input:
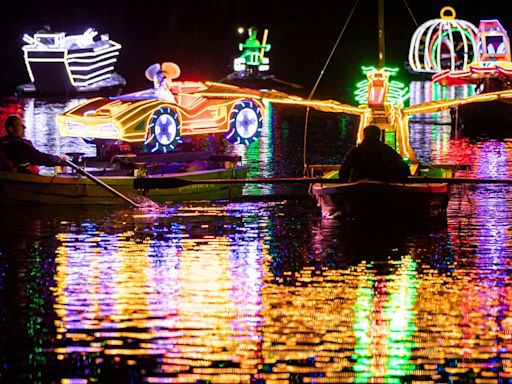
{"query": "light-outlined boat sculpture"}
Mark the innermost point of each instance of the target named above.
(67, 65)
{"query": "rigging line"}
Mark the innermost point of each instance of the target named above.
(313, 90)
(332, 51)
(410, 12)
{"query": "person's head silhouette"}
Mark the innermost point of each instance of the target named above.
(372, 133)
(14, 126)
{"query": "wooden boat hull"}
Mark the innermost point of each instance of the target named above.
(17, 188)
(373, 198)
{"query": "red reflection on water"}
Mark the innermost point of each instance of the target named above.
(480, 232)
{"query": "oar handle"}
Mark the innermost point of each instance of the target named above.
(102, 184)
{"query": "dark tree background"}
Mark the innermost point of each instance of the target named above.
(201, 36)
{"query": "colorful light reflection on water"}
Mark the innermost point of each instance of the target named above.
(262, 291)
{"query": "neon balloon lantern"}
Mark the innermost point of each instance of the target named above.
(444, 43)
(492, 69)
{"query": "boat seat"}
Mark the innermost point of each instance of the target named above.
(110, 172)
(76, 157)
(228, 158)
(161, 169)
(315, 170)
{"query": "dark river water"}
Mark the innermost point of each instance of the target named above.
(262, 290)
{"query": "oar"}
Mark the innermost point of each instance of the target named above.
(457, 180)
(176, 182)
(102, 184)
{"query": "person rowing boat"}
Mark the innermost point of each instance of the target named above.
(17, 154)
(374, 160)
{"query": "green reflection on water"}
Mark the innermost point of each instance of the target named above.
(383, 326)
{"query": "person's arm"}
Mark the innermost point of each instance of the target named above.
(22, 152)
(398, 163)
(346, 167)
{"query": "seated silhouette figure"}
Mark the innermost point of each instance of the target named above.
(161, 75)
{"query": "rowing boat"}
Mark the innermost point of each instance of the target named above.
(71, 188)
(371, 199)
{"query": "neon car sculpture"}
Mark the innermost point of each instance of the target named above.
(161, 116)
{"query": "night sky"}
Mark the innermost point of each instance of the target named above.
(201, 36)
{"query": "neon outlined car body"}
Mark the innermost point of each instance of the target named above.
(199, 108)
(160, 116)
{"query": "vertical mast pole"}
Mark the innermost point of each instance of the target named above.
(381, 34)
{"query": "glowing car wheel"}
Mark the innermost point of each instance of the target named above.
(245, 122)
(163, 130)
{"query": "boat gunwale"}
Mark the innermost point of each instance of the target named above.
(80, 179)
(320, 189)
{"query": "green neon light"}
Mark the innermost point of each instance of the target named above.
(397, 92)
(391, 70)
(361, 93)
(253, 51)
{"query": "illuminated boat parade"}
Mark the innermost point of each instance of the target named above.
(141, 131)
(187, 230)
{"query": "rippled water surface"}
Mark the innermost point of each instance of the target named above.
(262, 290)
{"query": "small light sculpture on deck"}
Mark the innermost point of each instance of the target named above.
(443, 43)
(253, 57)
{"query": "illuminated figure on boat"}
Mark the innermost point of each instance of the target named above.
(253, 57)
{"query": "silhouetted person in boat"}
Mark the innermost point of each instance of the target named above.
(17, 154)
(374, 160)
